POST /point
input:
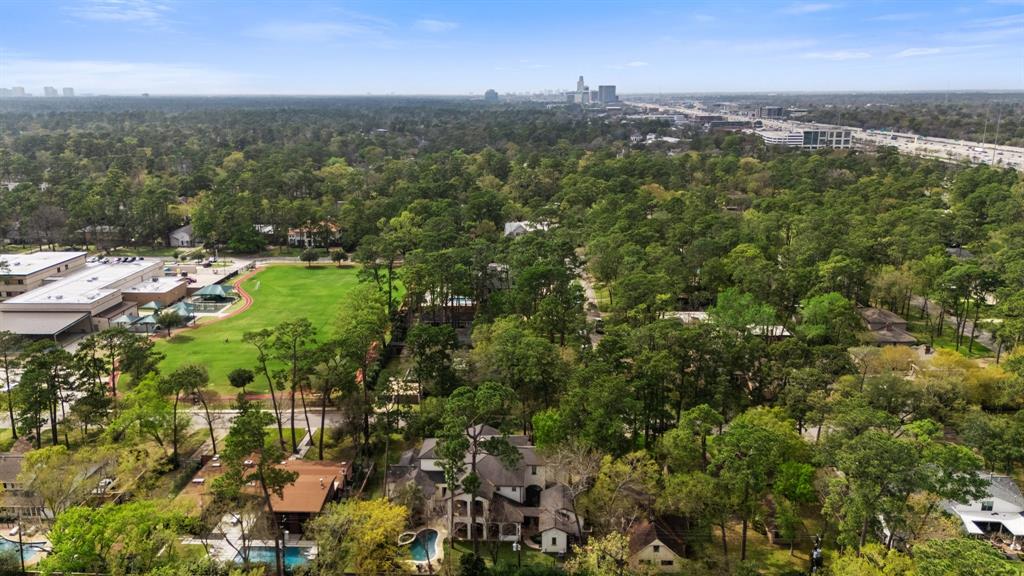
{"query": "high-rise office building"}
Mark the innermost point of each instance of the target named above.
(18, 91)
(49, 91)
(606, 94)
(580, 85)
(68, 92)
(490, 96)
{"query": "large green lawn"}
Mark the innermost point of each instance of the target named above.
(279, 293)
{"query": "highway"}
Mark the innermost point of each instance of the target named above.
(925, 146)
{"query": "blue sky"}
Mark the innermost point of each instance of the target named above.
(409, 47)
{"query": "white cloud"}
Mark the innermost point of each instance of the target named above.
(838, 55)
(911, 52)
(116, 77)
(435, 26)
(807, 8)
(139, 11)
(310, 31)
(1012, 20)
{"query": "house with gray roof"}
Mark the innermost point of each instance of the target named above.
(999, 512)
(885, 328)
(520, 503)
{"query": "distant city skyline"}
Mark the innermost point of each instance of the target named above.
(171, 47)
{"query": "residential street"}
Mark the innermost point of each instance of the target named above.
(984, 337)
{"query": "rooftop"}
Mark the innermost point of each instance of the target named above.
(26, 264)
(880, 316)
(668, 530)
(156, 284)
(311, 489)
(88, 284)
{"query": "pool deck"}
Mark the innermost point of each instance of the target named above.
(37, 541)
(225, 552)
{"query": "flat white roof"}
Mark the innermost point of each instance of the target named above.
(39, 323)
(26, 264)
(774, 133)
(87, 285)
(1012, 521)
(156, 284)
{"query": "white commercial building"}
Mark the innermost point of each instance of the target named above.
(20, 273)
(809, 139)
(86, 298)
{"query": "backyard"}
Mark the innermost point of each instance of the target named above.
(279, 293)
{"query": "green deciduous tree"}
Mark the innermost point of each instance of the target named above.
(828, 319)
(360, 536)
(120, 539)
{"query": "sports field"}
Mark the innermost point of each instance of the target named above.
(279, 293)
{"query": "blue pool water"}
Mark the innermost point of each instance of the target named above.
(293, 556)
(30, 551)
(424, 547)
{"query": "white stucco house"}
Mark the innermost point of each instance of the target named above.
(999, 512)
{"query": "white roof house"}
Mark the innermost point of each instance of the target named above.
(1001, 509)
(518, 228)
(182, 237)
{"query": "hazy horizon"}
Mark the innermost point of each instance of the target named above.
(181, 48)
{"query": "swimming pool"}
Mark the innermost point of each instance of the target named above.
(30, 550)
(293, 556)
(424, 547)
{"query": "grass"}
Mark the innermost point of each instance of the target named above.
(506, 555)
(279, 293)
(770, 559)
(6, 439)
(342, 449)
(147, 251)
(947, 340)
(270, 435)
(604, 299)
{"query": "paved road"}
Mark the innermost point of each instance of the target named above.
(982, 336)
(946, 149)
(591, 308)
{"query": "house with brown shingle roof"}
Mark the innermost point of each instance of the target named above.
(885, 328)
(318, 484)
(16, 500)
(658, 544)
